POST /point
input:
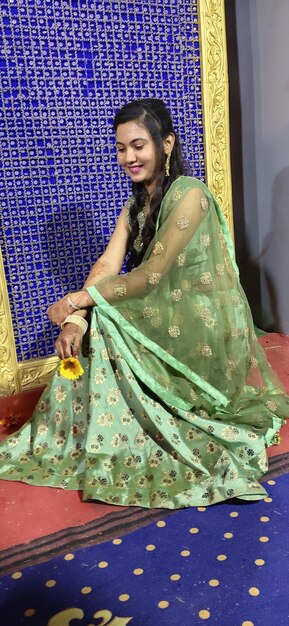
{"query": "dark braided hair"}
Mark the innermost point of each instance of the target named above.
(151, 114)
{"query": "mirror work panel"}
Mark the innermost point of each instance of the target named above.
(68, 67)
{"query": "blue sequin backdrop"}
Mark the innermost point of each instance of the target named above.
(67, 66)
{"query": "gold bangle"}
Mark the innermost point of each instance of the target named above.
(78, 320)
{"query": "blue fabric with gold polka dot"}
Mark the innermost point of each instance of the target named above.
(225, 565)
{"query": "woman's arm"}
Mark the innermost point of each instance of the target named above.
(108, 264)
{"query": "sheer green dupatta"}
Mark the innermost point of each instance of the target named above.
(181, 319)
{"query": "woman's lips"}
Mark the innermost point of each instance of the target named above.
(135, 169)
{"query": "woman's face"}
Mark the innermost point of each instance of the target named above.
(136, 153)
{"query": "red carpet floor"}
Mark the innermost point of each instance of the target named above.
(29, 513)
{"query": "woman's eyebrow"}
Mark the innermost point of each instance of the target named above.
(133, 140)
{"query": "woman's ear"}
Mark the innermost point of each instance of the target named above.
(169, 143)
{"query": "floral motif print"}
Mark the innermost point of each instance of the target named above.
(182, 222)
(119, 289)
(158, 248)
(100, 376)
(205, 350)
(105, 419)
(206, 278)
(181, 259)
(60, 393)
(154, 278)
(174, 331)
(204, 203)
(176, 295)
(113, 396)
(205, 239)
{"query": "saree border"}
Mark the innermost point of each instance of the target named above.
(15, 376)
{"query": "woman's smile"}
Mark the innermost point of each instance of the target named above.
(134, 143)
(135, 169)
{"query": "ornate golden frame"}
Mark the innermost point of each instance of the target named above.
(16, 376)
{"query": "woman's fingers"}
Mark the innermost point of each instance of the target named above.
(63, 347)
(77, 342)
(69, 341)
(59, 349)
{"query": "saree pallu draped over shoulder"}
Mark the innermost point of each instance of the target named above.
(177, 403)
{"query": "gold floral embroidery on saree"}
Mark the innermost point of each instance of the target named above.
(174, 331)
(204, 203)
(182, 222)
(181, 259)
(205, 240)
(176, 295)
(154, 278)
(119, 290)
(158, 248)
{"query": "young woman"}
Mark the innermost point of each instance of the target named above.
(177, 402)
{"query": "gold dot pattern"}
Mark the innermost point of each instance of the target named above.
(150, 547)
(254, 591)
(29, 612)
(163, 604)
(185, 553)
(185, 566)
(123, 597)
(138, 571)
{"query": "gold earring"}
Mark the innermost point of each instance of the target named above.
(167, 165)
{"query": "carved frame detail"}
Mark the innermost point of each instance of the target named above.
(16, 376)
(215, 95)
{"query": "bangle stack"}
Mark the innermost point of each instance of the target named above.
(76, 319)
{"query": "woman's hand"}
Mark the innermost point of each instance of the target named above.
(69, 341)
(58, 311)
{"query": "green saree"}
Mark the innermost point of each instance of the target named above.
(177, 402)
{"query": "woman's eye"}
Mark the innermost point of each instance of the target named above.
(139, 147)
(120, 150)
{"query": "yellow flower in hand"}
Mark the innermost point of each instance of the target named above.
(70, 368)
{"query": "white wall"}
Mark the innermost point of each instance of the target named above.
(262, 62)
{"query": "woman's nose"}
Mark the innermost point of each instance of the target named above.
(130, 155)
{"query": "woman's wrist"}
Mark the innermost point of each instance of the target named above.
(80, 313)
(78, 320)
(79, 300)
